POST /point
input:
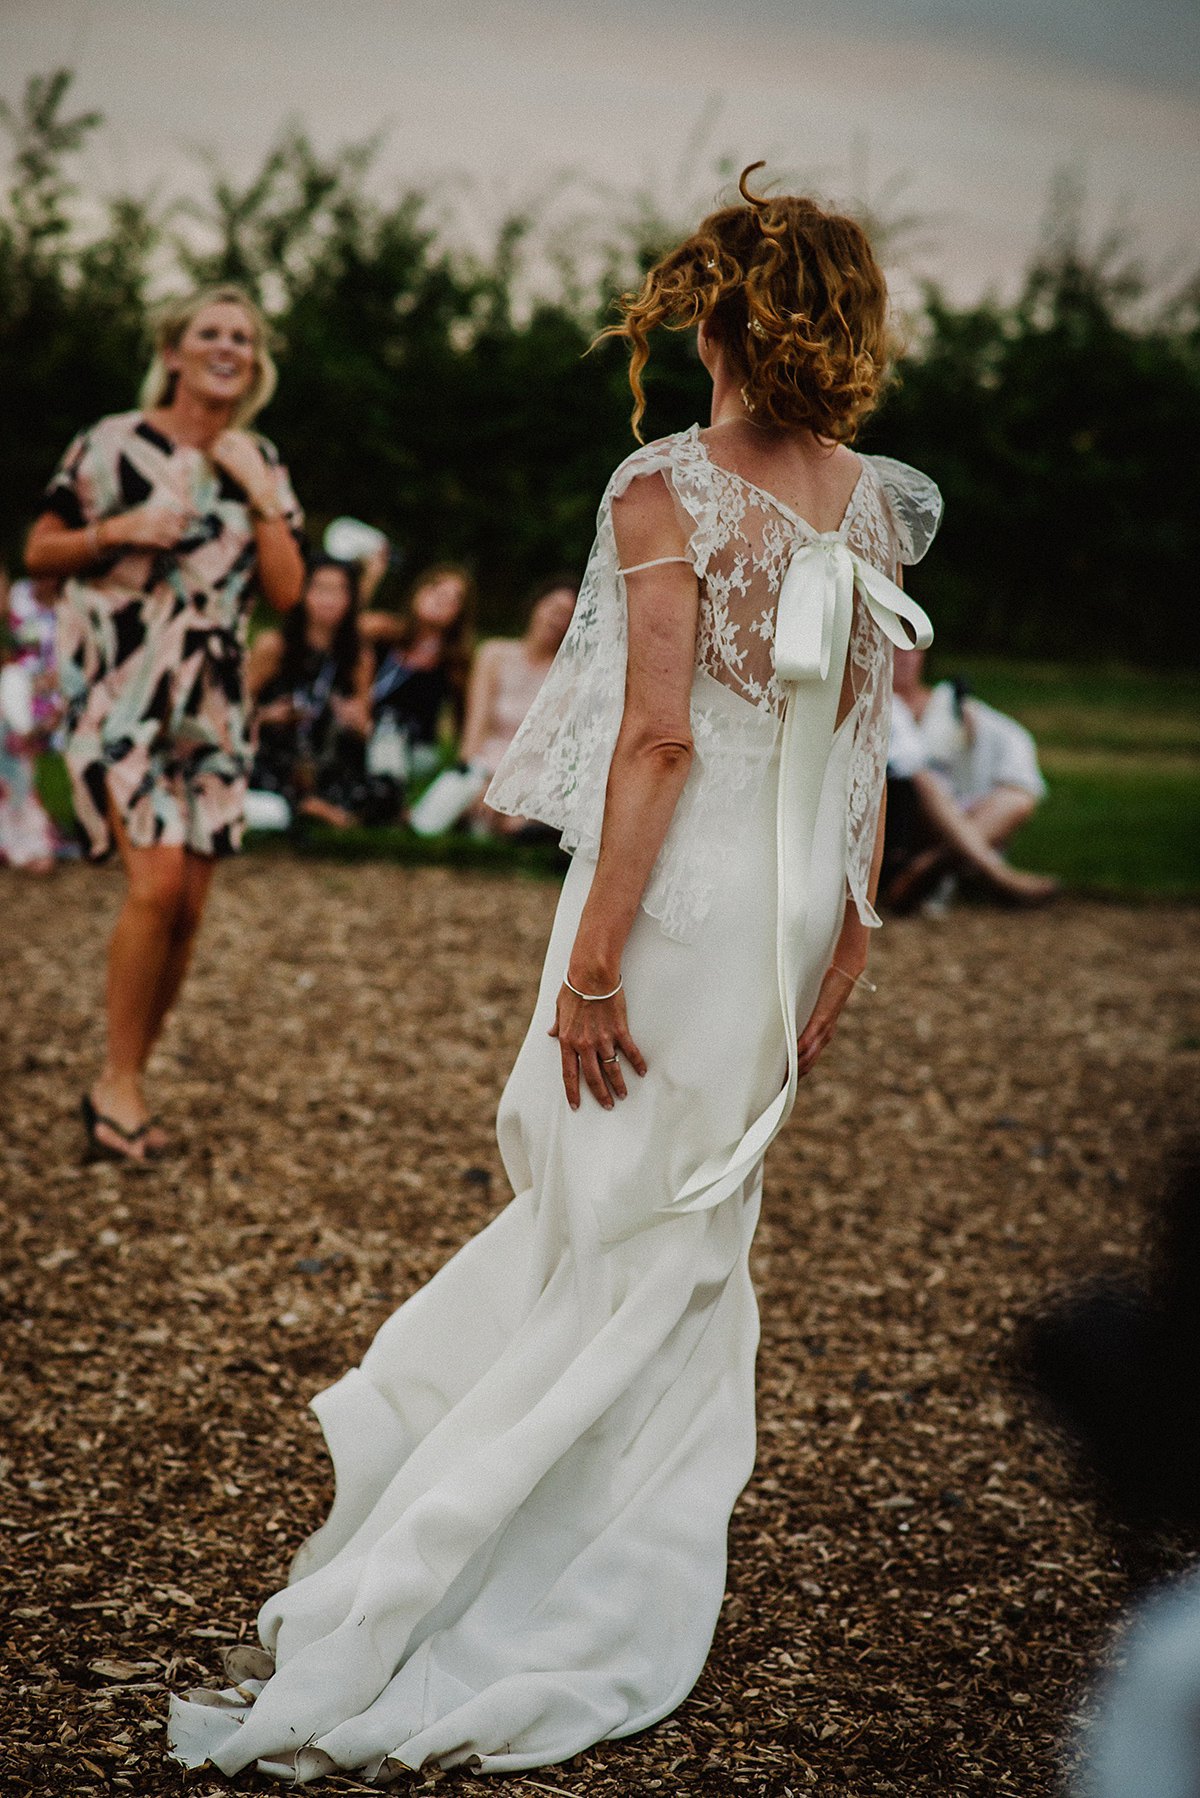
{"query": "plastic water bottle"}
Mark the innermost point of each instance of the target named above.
(16, 698)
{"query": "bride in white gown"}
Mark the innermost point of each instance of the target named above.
(537, 1458)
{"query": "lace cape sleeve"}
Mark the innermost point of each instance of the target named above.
(915, 505)
(556, 767)
(895, 523)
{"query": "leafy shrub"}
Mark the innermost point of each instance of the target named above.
(1060, 427)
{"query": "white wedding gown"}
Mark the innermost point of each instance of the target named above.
(537, 1458)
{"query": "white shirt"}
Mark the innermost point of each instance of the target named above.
(974, 754)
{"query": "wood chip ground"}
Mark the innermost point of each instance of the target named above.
(917, 1590)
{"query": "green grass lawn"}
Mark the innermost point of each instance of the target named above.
(1124, 831)
(1124, 710)
(1120, 749)
(396, 843)
(54, 789)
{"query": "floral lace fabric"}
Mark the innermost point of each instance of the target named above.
(741, 541)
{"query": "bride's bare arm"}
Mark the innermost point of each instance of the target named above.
(849, 961)
(649, 767)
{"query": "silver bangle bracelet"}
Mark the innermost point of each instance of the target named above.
(854, 979)
(594, 998)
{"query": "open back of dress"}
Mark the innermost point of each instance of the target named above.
(740, 541)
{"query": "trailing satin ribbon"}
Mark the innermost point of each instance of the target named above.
(812, 636)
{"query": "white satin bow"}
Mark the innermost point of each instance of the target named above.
(818, 574)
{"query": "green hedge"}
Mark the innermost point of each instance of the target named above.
(416, 394)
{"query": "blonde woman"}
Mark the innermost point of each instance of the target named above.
(537, 1459)
(159, 522)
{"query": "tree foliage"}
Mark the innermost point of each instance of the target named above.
(1062, 434)
(71, 317)
(416, 394)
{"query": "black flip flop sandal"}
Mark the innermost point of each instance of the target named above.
(104, 1151)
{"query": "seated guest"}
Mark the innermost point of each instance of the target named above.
(961, 779)
(421, 659)
(505, 681)
(310, 680)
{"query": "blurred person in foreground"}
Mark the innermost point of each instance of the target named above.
(310, 681)
(31, 710)
(537, 1460)
(506, 678)
(962, 779)
(1117, 1363)
(160, 522)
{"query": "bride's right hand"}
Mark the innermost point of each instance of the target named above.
(817, 1033)
(592, 1035)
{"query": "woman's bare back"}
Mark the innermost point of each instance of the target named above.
(812, 478)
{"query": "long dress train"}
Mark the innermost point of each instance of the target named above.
(537, 1458)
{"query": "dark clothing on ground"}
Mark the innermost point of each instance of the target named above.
(905, 832)
(411, 700)
(414, 696)
(313, 756)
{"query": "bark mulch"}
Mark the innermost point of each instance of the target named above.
(918, 1589)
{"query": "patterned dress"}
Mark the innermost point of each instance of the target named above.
(151, 642)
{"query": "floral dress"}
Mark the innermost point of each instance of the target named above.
(151, 642)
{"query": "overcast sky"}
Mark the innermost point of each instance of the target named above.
(976, 102)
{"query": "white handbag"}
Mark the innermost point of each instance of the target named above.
(444, 803)
(16, 698)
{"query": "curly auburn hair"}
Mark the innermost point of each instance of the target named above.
(796, 299)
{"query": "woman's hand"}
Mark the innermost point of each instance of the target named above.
(277, 711)
(380, 627)
(835, 990)
(238, 454)
(352, 713)
(371, 571)
(592, 1034)
(53, 707)
(158, 526)
(51, 550)
(280, 565)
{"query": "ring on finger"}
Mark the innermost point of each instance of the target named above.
(605, 1059)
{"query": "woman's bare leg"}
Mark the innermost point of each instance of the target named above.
(147, 959)
(326, 811)
(969, 838)
(1001, 813)
(197, 878)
